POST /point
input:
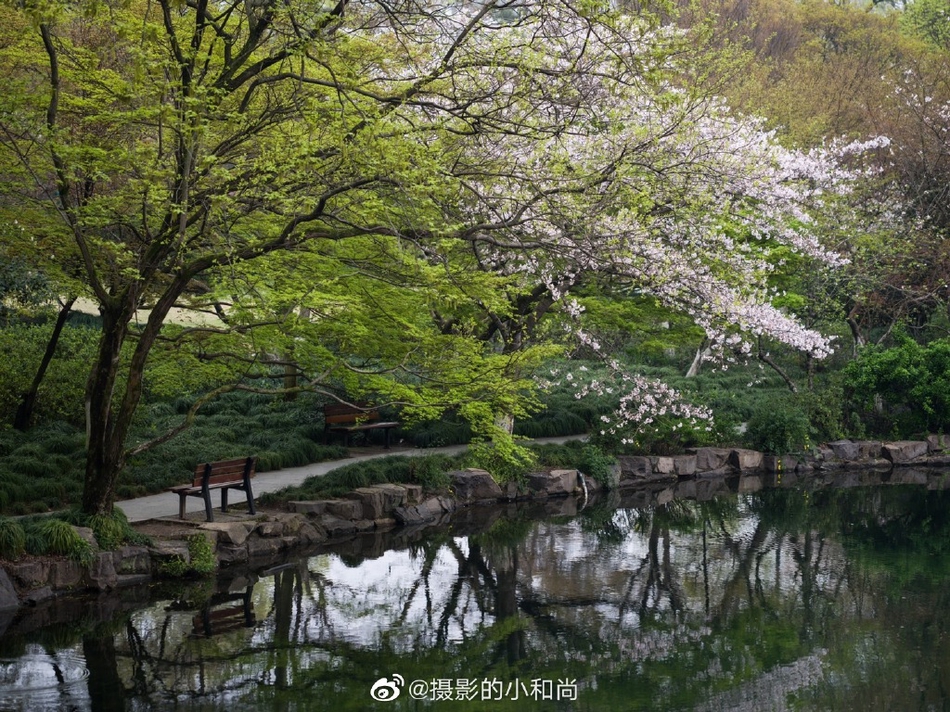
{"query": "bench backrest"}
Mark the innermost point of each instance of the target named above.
(224, 471)
(336, 413)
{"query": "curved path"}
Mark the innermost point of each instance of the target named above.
(165, 504)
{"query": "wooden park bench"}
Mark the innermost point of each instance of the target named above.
(222, 475)
(347, 419)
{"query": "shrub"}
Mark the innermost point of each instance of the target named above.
(506, 461)
(778, 428)
(201, 559)
(902, 390)
(596, 463)
(12, 539)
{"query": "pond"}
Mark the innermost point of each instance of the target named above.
(707, 595)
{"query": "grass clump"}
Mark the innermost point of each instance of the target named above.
(12, 539)
(50, 536)
(429, 471)
(111, 530)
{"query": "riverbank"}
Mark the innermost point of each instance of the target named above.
(193, 546)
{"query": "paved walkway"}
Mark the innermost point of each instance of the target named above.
(165, 504)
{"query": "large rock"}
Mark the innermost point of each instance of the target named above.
(315, 508)
(8, 597)
(373, 501)
(227, 532)
(745, 460)
(869, 449)
(676, 465)
(845, 450)
(345, 508)
(904, 450)
(710, 459)
(938, 443)
(310, 534)
(413, 493)
(271, 529)
(474, 485)
(229, 554)
(31, 573)
(634, 467)
(556, 483)
(335, 526)
(414, 514)
(132, 560)
(263, 548)
(779, 464)
(101, 573)
(65, 574)
(393, 495)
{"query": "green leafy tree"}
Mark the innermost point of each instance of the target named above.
(905, 388)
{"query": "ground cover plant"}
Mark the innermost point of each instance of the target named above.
(41, 470)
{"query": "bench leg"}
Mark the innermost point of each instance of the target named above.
(250, 497)
(209, 510)
(181, 504)
(224, 499)
(386, 438)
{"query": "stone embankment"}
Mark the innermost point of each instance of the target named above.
(249, 540)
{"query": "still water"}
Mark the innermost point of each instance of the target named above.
(708, 595)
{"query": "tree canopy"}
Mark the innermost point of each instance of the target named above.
(391, 197)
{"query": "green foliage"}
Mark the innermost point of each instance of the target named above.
(927, 20)
(505, 460)
(12, 539)
(201, 559)
(50, 536)
(111, 530)
(201, 551)
(823, 407)
(577, 455)
(903, 390)
(61, 393)
(596, 463)
(779, 428)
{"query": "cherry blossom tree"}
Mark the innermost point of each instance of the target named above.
(654, 185)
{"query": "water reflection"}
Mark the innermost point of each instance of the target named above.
(711, 595)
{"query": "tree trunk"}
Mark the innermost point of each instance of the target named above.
(107, 419)
(505, 422)
(24, 412)
(105, 437)
(697, 363)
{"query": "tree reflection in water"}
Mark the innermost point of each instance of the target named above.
(781, 598)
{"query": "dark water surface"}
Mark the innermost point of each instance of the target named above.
(831, 594)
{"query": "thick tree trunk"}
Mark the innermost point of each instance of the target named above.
(109, 410)
(105, 437)
(24, 412)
